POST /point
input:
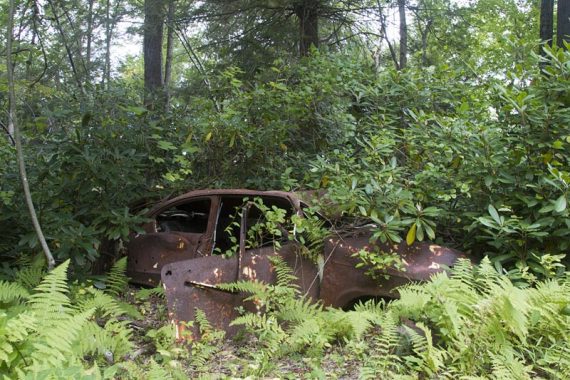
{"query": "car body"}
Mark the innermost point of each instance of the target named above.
(186, 236)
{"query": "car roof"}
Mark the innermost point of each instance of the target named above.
(221, 192)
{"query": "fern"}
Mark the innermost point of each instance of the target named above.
(30, 276)
(50, 298)
(209, 344)
(508, 367)
(428, 358)
(113, 340)
(54, 346)
(385, 345)
(285, 277)
(144, 294)
(49, 337)
(156, 372)
(12, 292)
(117, 280)
(252, 287)
(13, 331)
(107, 306)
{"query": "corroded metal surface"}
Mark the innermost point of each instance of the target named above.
(149, 253)
(343, 282)
(192, 285)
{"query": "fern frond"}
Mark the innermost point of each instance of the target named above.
(251, 287)
(486, 276)
(126, 370)
(510, 308)
(506, 366)
(113, 339)
(54, 347)
(298, 309)
(144, 294)
(310, 334)
(12, 291)
(350, 324)
(117, 279)
(372, 306)
(107, 306)
(156, 372)
(555, 360)
(384, 360)
(413, 301)
(202, 320)
(30, 276)
(50, 298)
(285, 276)
(463, 271)
(14, 330)
(429, 359)
(267, 328)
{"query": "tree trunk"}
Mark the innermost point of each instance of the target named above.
(308, 13)
(13, 124)
(403, 34)
(106, 77)
(424, 34)
(546, 21)
(169, 50)
(563, 23)
(89, 40)
(152, 51)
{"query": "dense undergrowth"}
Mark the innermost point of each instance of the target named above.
(471, 323)
(438, 153)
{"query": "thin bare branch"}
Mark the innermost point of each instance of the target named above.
(13, 123)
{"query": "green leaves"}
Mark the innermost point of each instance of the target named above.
(495, 215)
(411, 236)
(560, 204)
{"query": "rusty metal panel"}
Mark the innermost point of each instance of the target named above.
(147, 254)
(192, 284)
(343, 282)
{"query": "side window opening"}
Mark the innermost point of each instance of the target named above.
(268, 223)
(228, 225)
(189, 217)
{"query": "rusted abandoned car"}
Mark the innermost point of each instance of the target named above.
(186, 236)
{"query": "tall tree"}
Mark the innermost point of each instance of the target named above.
(169, 48)
(403, 35)
(546, 21)
(253, 33)
(89, 39)
(152, 51)
(307, 11)
(563, 22)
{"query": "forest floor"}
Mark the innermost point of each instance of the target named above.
(231, 358)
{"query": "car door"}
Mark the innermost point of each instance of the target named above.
(193, 284)
(179, 230)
